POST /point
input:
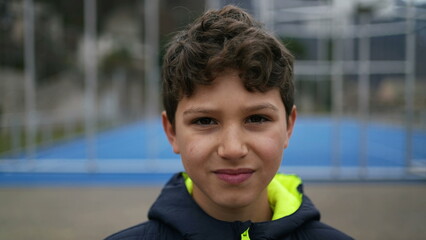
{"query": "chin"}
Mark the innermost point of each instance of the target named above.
(236, 201)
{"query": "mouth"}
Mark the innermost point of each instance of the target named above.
(234, 176)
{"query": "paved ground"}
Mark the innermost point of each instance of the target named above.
(370, 211)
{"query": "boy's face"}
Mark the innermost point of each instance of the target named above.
(231, 142)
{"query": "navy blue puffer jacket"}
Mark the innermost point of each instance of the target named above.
(175, 215)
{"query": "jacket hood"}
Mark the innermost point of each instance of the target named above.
(176, 208)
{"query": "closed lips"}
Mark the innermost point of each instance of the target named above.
(234, 171)
(234, 176)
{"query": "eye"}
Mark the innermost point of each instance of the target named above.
(204, 121)
(257, 119)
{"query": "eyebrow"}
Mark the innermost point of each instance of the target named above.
(257, 107)
(198, 110)
(262, 106)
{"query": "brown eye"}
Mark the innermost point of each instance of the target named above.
(257, 119)
(204, 121)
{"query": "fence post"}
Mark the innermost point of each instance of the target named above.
(410, 55)
(90, 71)
(30, 75)
(337, 72)
(364, 93)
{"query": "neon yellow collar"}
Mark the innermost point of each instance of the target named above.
(284, 198)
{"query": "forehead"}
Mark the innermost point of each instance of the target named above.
(227, 91)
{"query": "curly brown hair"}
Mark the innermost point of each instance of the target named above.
(223, 39)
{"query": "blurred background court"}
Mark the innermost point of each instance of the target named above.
(81, 141)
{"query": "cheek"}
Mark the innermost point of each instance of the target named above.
(193, 151)
(271, 148)
(195, 157)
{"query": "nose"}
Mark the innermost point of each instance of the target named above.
(232, 145)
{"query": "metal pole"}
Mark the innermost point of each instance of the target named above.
(152, 72)
(337, 91)
(16, 131)
(212, 4)
(364, 94)
(90, 71)
(30, 75)
(321, 45)
(265, 13)
(410, 52)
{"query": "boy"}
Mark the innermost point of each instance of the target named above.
(228, 95)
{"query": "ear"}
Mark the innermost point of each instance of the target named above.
(170, 132)
(290, 125)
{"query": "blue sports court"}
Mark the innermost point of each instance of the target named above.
(320, 149)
